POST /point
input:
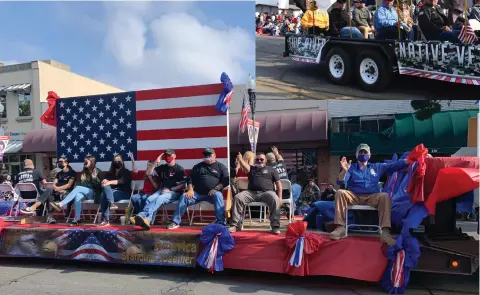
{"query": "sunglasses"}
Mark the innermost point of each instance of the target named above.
(259, 160)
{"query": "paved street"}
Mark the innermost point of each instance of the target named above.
(282, 78)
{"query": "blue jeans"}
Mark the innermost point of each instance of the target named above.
(78, 194)
(157, 200)
(138, 202)
(109, 196)
(324, 208)
(345, 32)
(216, 200)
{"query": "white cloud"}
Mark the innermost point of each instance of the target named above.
(184, 50)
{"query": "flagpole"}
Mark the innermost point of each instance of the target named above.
(252, 99)
(466, 20)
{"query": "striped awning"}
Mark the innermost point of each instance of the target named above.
(14, 146)
(17, 87)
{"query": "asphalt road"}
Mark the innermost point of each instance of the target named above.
(41, 277)
(282, 78)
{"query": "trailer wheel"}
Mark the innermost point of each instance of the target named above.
(372, 71)
(339, 66)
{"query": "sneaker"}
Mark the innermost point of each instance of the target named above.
(233, 229)
(276, 230)
(172, 225)
(51, 220)
(142, 222)
(338, 233)
(27, 210)
(113, 207)
(132, 220)
(74, 223)
(386, 237)
(56, 206)
(104, 223)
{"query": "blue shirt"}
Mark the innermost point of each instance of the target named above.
(365, 181)
(385, 17)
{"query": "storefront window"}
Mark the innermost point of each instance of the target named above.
(301, 164)
(24, 105)
(3, 101)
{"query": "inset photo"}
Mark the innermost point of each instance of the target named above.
(362, 49)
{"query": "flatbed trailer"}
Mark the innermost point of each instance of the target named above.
(373, 62)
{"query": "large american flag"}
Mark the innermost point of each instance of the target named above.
(144, 123)
(467, 35)
(244, 114)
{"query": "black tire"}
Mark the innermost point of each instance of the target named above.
(346, 64)
(378, 70)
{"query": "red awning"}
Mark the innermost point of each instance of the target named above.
(40, 141)
(289, 127)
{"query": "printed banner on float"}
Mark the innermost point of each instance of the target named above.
(3, 145)
(130, 247)
(456, 63)
(251, 132)
(305, 48)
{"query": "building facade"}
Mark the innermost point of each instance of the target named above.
(23, 92)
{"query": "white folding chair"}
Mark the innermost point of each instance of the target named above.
(287, 185)
(23, 188)
(242, 183)
(364, 226)
(198, 206)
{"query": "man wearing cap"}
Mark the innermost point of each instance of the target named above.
(361, 183)
(206, 182)
(263, 186)
(362, 18)
(171, 179)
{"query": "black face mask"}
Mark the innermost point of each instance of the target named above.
(117, 164)
(61, 165)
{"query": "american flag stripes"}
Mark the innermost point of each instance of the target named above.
(467, 35)
(144, 123)
(244, 114)
(91, 249)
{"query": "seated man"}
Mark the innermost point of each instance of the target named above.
(434, 23)
(32, 175)
(340, 21)
(362, 18)
(206, 182)
(171, 179)
(474, 16)
(261, 180)
(63, 183)
(361, 181)
(314, 20)
(386, 23)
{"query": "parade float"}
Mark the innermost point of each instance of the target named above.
(187, 119)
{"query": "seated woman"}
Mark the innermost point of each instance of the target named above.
(90, 181)
(150, 186)
(116, 186)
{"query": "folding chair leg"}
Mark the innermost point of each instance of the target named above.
(96, 215)
(193, 214)
(250, 214)
(346, 222)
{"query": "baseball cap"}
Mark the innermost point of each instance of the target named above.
(169, 152)
(208, 151)
(363, 146)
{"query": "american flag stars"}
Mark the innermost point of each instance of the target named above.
(100, 125)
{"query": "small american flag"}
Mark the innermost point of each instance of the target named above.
(244, 115)
(145, 123)
(467, 35)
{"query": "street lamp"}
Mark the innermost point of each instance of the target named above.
(253, 100)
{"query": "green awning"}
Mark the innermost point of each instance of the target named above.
(445, 132)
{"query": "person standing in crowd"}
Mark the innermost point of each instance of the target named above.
(115, 187)
(90, 184)
(171, 179)
(206, 182)
(262, 180)
(362, 18)
(434, 23)
(329, 193)
(361, 181)
(32, 175)
(149, 187)
(63, 183)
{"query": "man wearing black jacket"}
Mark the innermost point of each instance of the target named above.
(206, 182)
(434, 23)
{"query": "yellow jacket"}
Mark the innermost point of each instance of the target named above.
(315, 18)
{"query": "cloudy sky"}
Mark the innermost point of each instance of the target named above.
(134, 45)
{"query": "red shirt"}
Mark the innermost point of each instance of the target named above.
(148, 188)
(240, 173)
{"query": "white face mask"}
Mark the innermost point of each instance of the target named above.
(208, 160)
